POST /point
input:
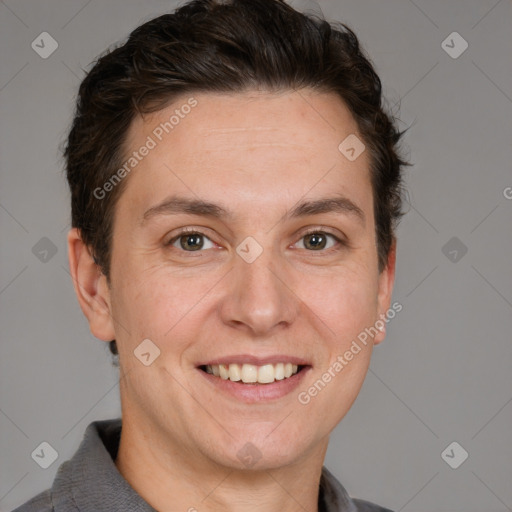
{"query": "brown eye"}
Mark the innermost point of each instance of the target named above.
(315, 241)
(190, 241)
(318, 240)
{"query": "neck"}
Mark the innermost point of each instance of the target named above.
(169, 478)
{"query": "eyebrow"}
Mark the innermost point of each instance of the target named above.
(178, 205)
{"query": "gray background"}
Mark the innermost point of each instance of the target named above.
(444, 372)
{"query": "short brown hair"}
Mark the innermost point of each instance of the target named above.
(222, 46)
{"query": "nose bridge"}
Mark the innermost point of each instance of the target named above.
(259, 296)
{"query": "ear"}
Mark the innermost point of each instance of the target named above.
(91, 288)
(386, 282)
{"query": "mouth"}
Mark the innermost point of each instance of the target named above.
(250, 379)
(252, 374)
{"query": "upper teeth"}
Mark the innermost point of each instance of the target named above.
(250, 373)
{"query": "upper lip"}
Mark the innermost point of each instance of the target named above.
(257, 361)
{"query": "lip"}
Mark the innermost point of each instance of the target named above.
(252, 393)
(258, 361)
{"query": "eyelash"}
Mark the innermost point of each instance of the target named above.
(191, 231)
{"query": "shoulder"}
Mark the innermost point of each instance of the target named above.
(366, 506)
(336, 498)
(42, 502)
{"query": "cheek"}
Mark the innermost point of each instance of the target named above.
(158, 305)
(346, 301)
(347, 307)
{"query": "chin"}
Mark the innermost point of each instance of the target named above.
(261, 451)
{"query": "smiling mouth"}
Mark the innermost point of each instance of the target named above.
(253, 374)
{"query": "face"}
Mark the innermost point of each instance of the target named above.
(244, 246)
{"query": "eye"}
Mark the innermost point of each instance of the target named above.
(318, 240)
(190, 241)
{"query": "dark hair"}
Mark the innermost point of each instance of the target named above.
(222, 46)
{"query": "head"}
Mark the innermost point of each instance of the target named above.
(228, 119)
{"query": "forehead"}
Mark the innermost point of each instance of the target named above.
(253, 146)
(305, 119)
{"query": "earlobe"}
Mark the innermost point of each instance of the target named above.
(386, 282)
(91, 288)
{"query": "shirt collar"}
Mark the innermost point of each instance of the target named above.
(91, 482)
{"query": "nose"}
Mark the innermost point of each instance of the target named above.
(260, 297)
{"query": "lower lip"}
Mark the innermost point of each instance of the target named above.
(250, 393)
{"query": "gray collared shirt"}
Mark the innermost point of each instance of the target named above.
(90, 482)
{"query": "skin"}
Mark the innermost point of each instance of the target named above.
(257, 154)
